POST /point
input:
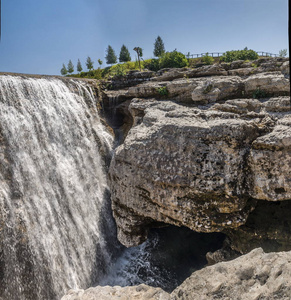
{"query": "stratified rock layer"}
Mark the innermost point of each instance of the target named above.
(256, 275)
(204, 165)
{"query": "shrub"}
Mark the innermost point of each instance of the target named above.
(283, 53)
(98, 74)
(90, 74)
(163, 91)
(208, 60)
(173, 59)
(152, 64)
(133, 65)
(245, 54)
(118, 70)
(258, 93)
(208, 89)
(130, 65)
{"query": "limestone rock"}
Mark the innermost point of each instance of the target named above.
(270, 163)
(203, 161)
(140, 292)
(257, 275)
(178, 73)
(171, 74)
(212, 89)
(270, 83)
(216, 88)
(285, 69)
(199, 168)
(181, 166)
(243, 72)
(244, 106)
(211, 70)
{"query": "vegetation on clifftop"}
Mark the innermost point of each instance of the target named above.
(172, 59)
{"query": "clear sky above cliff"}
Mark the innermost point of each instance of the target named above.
(38, 36)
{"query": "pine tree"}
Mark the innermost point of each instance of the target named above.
(89, 63)
(70, 67)
(159, 49)
(79, 66)
(110, 56)
(64, 70)
(124, 54)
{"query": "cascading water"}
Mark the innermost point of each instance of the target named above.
(56, 227)
(52, 188)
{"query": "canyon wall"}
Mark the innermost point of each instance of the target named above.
(209, 149)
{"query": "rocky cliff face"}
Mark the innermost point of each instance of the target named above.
(209, 149)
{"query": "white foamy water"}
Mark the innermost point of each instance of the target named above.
(52, 188)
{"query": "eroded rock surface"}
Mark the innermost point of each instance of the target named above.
(198, 168)
(182, 166)
(256, 275)
(140, 292)
(204, 165)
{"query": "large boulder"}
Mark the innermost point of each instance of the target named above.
(257, 275)
(182, 166)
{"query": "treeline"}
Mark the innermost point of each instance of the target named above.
(70, 67)
(111, 58)
(173, 59)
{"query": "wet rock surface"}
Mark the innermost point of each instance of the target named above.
(256, 275)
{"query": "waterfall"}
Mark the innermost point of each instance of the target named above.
(53, 188)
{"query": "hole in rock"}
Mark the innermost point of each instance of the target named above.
(280, 190)
(165, 260)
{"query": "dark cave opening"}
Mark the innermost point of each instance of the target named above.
(165, 260)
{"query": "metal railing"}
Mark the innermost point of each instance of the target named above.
(218, 54)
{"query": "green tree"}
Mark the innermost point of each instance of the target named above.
(100, 62)
(159, 49)
(110, 56)
(124, 54)
(208, 60)
(64, 70)
(283, 53)
(139, 55)
(79, 66)
(89, 63)
(70, 67)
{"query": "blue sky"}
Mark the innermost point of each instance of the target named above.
(38, 36)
